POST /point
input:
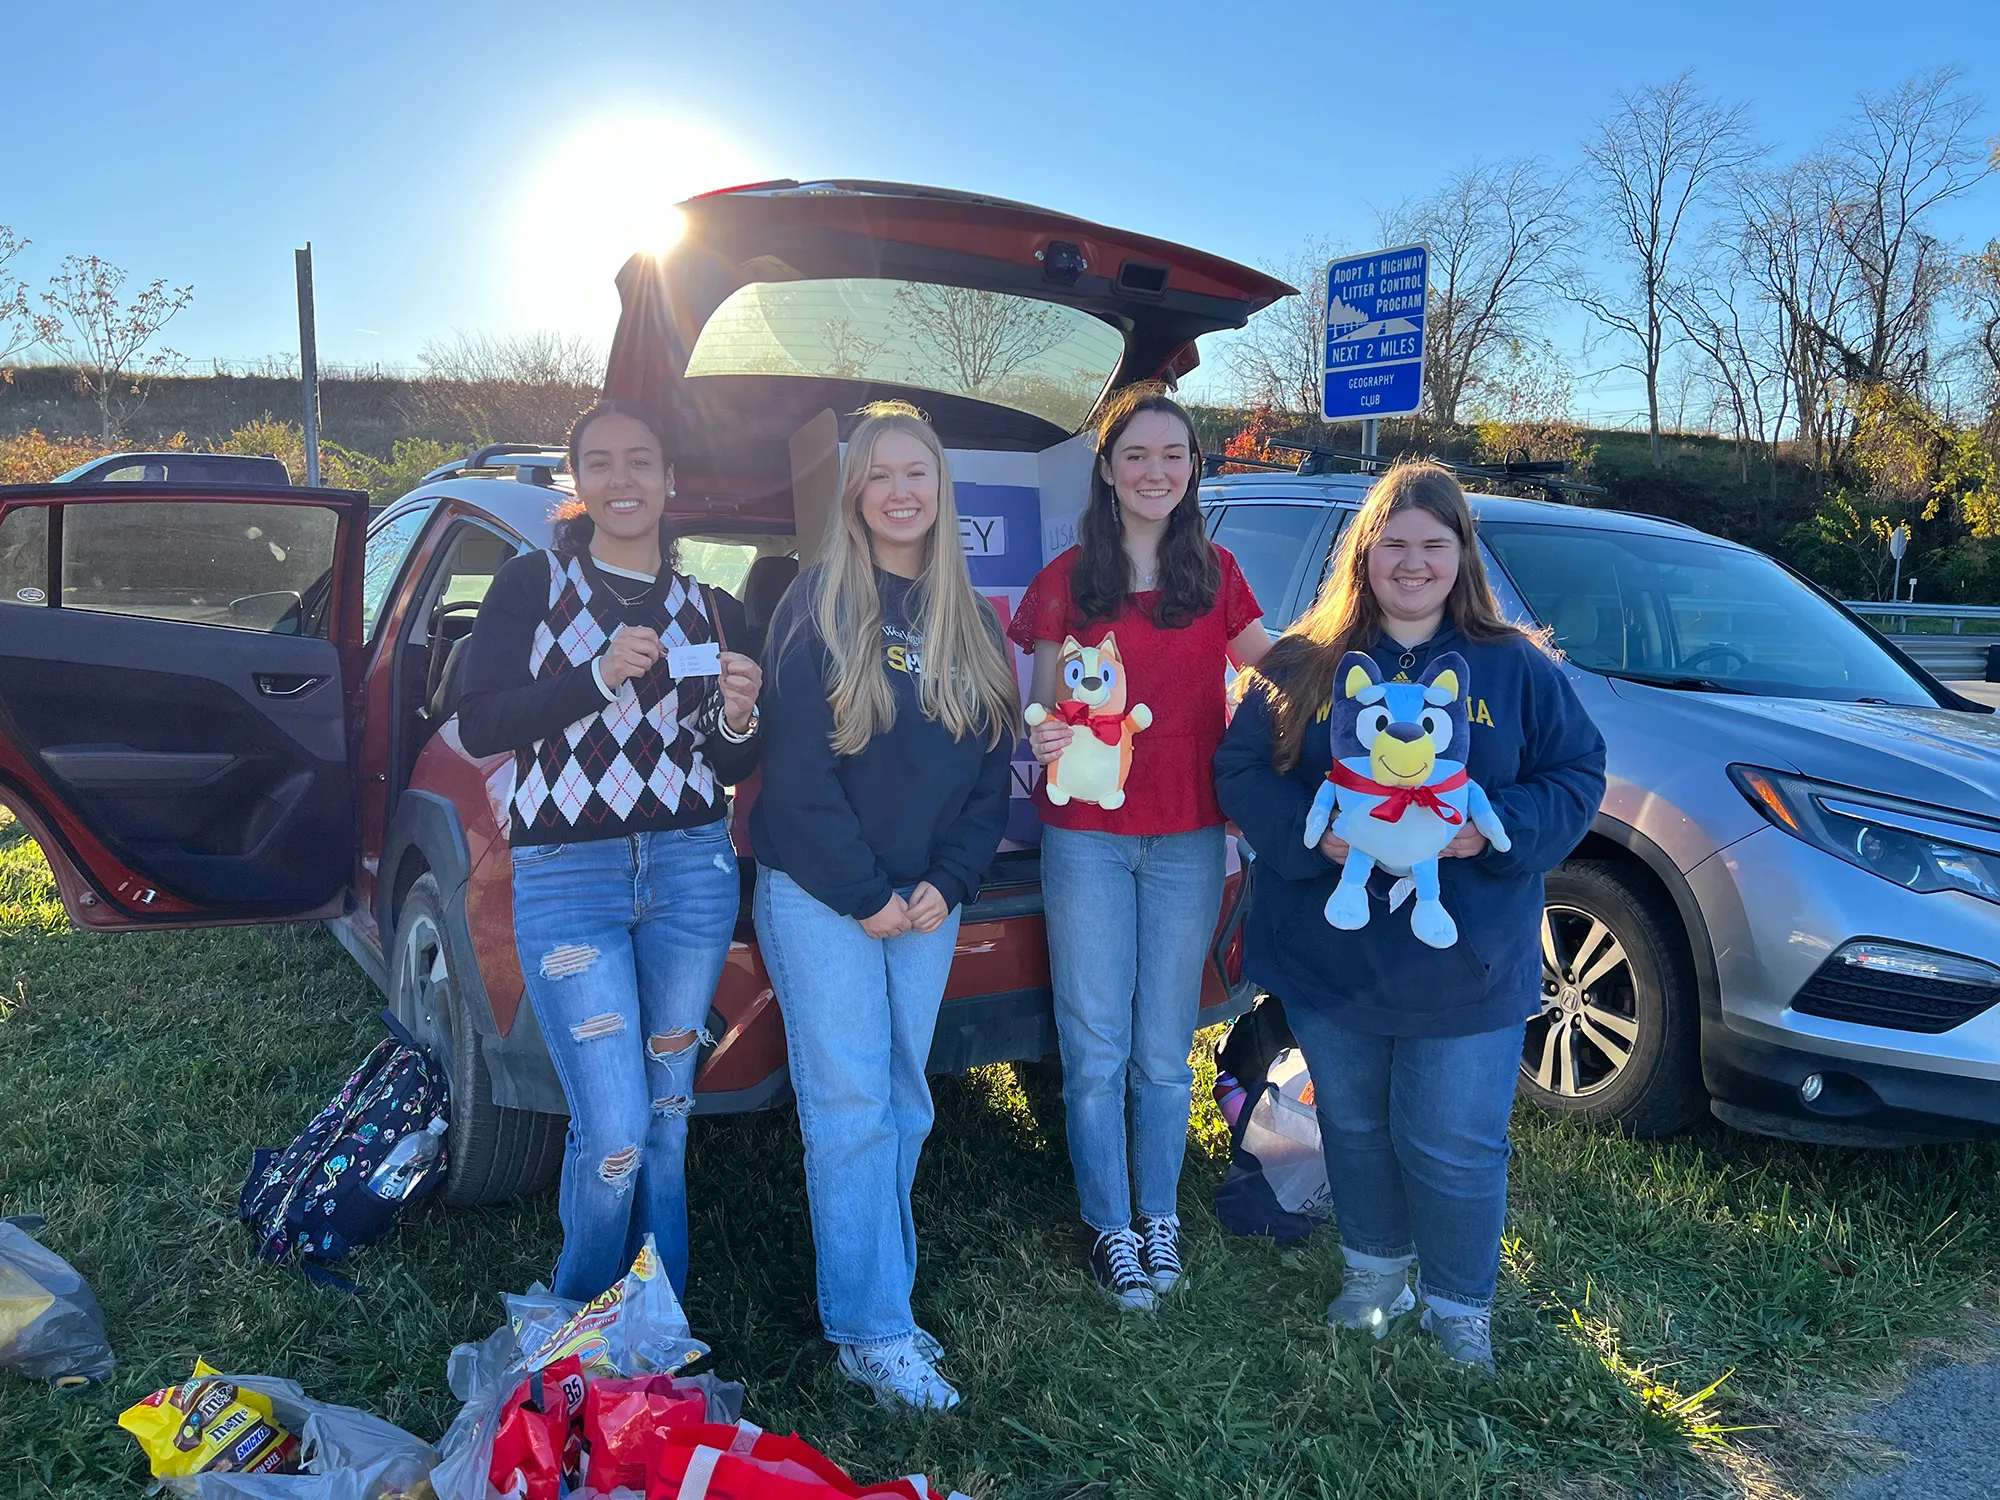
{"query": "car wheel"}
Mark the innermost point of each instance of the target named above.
(492, 1154)
(1618, 1035)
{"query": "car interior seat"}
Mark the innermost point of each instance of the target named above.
(763, 587)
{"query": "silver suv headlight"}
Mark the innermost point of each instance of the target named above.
(1919, 847)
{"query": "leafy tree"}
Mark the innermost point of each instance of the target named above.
(86, 324)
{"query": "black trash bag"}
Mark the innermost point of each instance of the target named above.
(50, 1328)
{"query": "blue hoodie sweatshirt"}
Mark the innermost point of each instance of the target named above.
(1541, 761)
(913, 805)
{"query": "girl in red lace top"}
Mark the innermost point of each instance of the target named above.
(1132, 892)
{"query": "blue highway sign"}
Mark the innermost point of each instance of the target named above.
(1375, 333)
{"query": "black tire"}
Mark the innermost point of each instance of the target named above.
(1637, 991)
(492, 1154)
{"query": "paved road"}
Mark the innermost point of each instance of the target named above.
(1984, 692)
(1948, 1421)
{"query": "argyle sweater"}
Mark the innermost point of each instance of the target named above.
(588, 763)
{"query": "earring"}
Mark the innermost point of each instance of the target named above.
(671, 492)
(1117, 516)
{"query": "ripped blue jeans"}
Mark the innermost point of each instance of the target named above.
(622, 941)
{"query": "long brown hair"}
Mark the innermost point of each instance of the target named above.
(967, 683)
(1189, 576)
(1298, 674)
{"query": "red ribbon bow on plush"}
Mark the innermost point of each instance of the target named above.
(1396, 800)
(1105, 726)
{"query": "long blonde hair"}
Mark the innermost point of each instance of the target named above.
(1299, 671)
(967, 682)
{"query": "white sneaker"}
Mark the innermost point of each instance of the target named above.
(898, 1376)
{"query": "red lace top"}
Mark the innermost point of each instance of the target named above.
(1178, 674)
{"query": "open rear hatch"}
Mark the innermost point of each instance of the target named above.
(1006, 323)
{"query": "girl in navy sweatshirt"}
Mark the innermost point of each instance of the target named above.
(889, 720)
(1413, 1049)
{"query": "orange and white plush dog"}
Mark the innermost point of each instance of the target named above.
(1090, 698)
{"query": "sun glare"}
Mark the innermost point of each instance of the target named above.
(603, 191)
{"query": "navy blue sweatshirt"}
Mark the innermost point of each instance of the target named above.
(915, 804)
(1541, 761)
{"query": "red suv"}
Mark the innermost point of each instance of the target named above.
(233, 704)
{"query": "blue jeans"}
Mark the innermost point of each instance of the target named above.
(1130, 920)
(622, 941)
(1415, 1134)
(859, 1014)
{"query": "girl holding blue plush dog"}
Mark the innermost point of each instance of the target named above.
(1457, 732)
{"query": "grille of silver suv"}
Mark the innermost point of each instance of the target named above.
(1839, 991)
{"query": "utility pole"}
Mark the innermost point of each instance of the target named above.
(1369, 439)
(308, 360)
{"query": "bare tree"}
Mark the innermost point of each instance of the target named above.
(109, 341)
(1276, 362)
(1901, 156)
(973, 340)
(1802, 271)
(518, 387)
(17, 323)
(1738, 334)
(1500, 236)
(1656, 161)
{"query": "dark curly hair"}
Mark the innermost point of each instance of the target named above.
(1189, 575)
(573, 526)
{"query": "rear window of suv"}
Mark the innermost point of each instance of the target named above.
(1038, 357)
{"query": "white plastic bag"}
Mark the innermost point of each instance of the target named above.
(635, 1328)
(348, 1454)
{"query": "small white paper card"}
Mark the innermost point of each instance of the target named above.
(704, 660)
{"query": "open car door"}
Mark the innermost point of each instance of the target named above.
(173, 671)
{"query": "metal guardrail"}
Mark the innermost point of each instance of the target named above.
(1961, 655)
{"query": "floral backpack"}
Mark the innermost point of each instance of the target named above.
(313, 1199)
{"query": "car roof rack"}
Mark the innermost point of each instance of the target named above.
(532, 463)
(1543, 474)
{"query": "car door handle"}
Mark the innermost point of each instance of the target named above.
(286, 684)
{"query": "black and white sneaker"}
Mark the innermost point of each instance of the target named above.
(1114, 1261)
(1161, 1251)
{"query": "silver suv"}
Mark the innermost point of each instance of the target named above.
(1788, 908)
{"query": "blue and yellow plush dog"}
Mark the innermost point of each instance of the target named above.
(1406, 795)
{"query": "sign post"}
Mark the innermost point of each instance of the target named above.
(1374, 364)
(308, 360)
(1899, 543)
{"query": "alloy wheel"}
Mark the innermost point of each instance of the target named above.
(423, 980)
(1588, 1026)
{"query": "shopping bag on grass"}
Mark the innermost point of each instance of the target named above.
(50, 1328)
(1276, 1183)
(740, 1461)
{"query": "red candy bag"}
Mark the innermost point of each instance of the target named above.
(626, 1421)
(539, 1441)
(741, 1461)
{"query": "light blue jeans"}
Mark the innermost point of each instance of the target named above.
(1415, 1134)
(1130, 920)
(859, 1014)
(622, 941)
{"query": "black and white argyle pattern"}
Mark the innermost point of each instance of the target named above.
(639, 757)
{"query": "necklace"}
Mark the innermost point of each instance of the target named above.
(621, 598)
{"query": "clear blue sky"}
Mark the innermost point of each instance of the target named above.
(438, 154)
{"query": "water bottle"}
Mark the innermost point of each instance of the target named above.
(413, 1160)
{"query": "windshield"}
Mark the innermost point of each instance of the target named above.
(1674, 609)
(1038, 357)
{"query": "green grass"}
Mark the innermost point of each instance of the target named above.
(1654, 1297)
